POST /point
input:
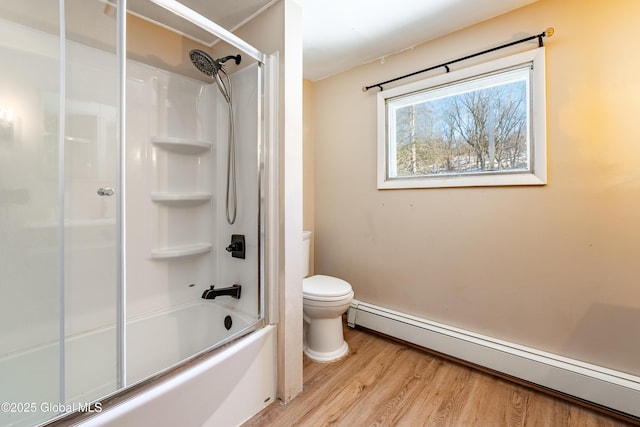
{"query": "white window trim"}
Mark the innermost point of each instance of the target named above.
(538, 175)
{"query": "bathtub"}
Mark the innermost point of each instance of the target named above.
(223, 388)
(162, 339)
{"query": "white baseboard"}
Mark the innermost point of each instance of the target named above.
(602, 386)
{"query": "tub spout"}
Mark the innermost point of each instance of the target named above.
(232, 291)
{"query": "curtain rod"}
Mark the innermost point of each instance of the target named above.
(547, 33)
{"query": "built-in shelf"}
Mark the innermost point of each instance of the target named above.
(181, 199)
(181, 145)
(181, 251)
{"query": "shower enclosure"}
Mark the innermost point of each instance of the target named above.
(112, 203)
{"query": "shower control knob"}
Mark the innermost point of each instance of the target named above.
(105, 192)
(237, 246)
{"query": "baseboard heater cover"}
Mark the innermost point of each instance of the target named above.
(602, 386)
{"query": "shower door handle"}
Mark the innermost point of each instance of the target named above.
(105, 192)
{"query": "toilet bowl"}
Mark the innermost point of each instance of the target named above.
(324, 300)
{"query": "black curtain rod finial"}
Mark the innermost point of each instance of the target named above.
(366, 88)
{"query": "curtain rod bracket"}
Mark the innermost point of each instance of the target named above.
(547, 33)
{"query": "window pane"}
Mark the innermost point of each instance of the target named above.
(477, 126)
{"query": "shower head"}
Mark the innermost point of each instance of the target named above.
(204, 62)
(213, 67)
(209, 66)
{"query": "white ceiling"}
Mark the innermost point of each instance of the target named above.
(341, 34)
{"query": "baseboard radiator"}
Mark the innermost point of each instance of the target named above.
(600, 386)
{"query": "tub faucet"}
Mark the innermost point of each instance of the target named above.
(232, 291)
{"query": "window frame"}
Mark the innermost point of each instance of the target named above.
(537, 125)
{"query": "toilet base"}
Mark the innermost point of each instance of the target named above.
(323, 340)
(327, 356)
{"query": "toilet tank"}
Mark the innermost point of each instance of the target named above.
(306, 250)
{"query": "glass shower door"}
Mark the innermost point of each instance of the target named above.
(63, 331)
(90, 197)
(31, 280)
(58, 254)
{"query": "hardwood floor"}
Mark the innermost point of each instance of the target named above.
(386, 383)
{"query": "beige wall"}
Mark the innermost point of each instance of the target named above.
(308, 166)
(553, 267)
(156, 46)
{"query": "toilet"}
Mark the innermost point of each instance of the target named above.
(325, 299)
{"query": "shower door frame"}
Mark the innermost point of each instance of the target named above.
(121, 174)
(266, 217)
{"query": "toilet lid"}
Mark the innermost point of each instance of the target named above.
(325, 286)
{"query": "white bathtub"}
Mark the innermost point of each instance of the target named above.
(223, 389)
(162, 339)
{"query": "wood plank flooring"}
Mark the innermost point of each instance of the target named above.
(385, 383)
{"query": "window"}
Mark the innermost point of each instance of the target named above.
(479, 126)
